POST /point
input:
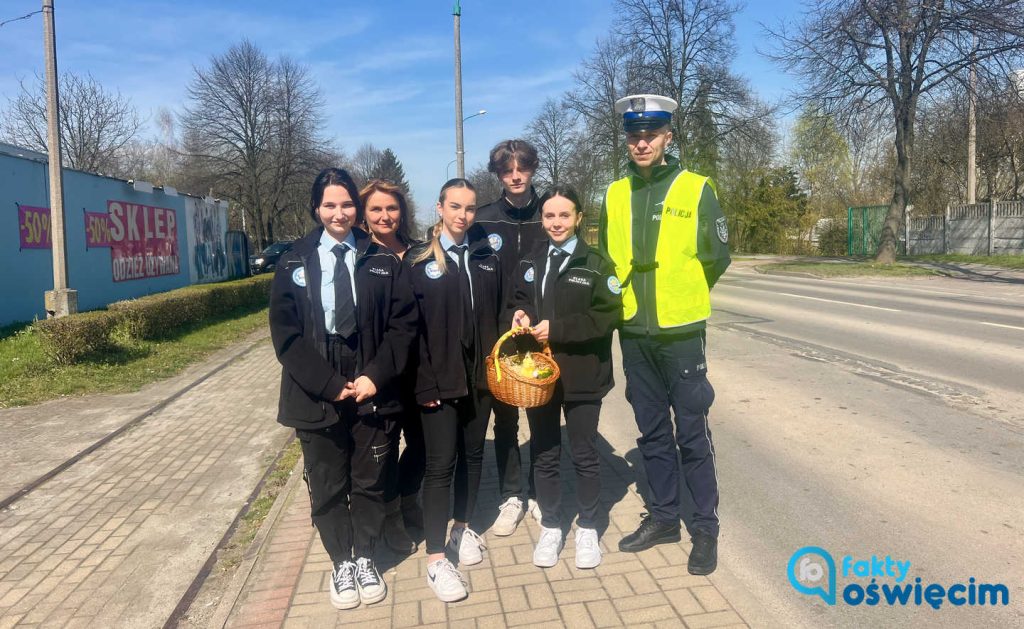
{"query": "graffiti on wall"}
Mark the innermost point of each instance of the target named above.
(207, 223)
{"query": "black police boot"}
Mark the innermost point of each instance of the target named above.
(395, 536)
(650, 533)
(704, 554)
(412, 513)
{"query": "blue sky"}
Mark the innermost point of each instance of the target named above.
(385, 68)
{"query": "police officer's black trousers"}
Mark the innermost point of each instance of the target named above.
(454, 434)
(663, 374)
(345, 466)
(546, 447)
(507, 455)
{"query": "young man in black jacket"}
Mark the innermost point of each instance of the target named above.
(342, 320)
(512, 227)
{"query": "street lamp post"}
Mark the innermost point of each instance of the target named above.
(462, 153)
(459, 152)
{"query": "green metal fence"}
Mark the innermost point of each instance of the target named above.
(864, 230)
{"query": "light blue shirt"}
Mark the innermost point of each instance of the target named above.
(328, 261)
(447, 242)
(567, 247)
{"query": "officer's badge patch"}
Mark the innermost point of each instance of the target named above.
(495, 241)
(299, 276)
(432, 270)
(614, 286)
(638, 104)
(722, 228)
(528, 276)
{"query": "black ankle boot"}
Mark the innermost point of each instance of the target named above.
(650, 533)
(704, 554)
(395, 536)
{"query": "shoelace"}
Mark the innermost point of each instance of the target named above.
(344, 575)
(448, 571)
(586, 542)
(511, 506)
(476, 539)
(365, 572)
(551, 537)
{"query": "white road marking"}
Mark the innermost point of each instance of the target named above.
(845, 303)
(1002, 325)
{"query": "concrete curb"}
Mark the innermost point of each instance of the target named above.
(768, 271)
(252, 554)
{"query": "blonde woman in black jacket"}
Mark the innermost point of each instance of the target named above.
(342, 319)
(457, 283)
(569, 294)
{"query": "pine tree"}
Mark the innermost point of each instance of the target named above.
(389, 168)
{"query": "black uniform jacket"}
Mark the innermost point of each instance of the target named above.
(441, 373)
(386, 319)
(586, 310)
(512, 232)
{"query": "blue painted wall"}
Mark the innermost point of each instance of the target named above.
(25, 275)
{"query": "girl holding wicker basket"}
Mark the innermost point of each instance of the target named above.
(456, 278)
(570, 290)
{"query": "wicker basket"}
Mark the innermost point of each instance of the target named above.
(511, 387)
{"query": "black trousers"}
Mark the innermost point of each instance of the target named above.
(405, 470)
(546, 445)
(454, 435)
(345, 467)
(670, 374)
(507, 455)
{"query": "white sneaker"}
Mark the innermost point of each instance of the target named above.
(509, 515)
(344, 593)
(468, 544)
(371, 587)
(534, 508)
(588, 551)
(446, 582)
(545, 554)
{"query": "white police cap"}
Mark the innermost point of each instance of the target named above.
(645, 111)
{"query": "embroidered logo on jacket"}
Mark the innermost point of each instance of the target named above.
(381, 271)
(299, 276)
(487, 267)
(722, 228)
(581, 281)
(432, 270)
(614, 285)
(528, 276)
(495, 241)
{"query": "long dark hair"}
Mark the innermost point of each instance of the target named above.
(435, 250)
(386, 187)
(333, 177)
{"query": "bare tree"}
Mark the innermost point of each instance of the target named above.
(865, 54)
(252, 129)
(488, 188)
(365, 162)
(685, 48)
(554, 132)
(96, 125)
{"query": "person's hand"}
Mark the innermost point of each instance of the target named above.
(521, 319)
(431, 404)
(540, 331)
(347, 392)
(364, 389)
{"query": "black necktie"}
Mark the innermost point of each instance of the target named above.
(547, 305)
(466, 332)
(344, 305)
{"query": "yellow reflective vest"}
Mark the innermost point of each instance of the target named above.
(682, 296)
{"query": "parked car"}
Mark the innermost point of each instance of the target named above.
(267, 259)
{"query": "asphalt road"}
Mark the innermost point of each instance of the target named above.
(866, 417)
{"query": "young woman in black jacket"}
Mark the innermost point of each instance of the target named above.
(570, 290)
(386, 219)
(457, 283)
(342, 318)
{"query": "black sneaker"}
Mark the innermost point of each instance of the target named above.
(704, 554)
(371, 587)
(344, 594)
(650, 533)
(395, 536)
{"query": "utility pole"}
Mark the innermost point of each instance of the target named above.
(61, 300)
(460, 153)
(972, 131)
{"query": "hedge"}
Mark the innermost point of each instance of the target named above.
(70, 338)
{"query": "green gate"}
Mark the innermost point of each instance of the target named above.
(864, 230)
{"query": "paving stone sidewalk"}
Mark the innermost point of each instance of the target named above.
(116, 539)
(287, 586)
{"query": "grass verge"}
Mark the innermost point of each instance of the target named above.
(27, 376)
(1006, 262)
(847, 269)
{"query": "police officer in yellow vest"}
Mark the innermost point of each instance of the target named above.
(666, 235)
